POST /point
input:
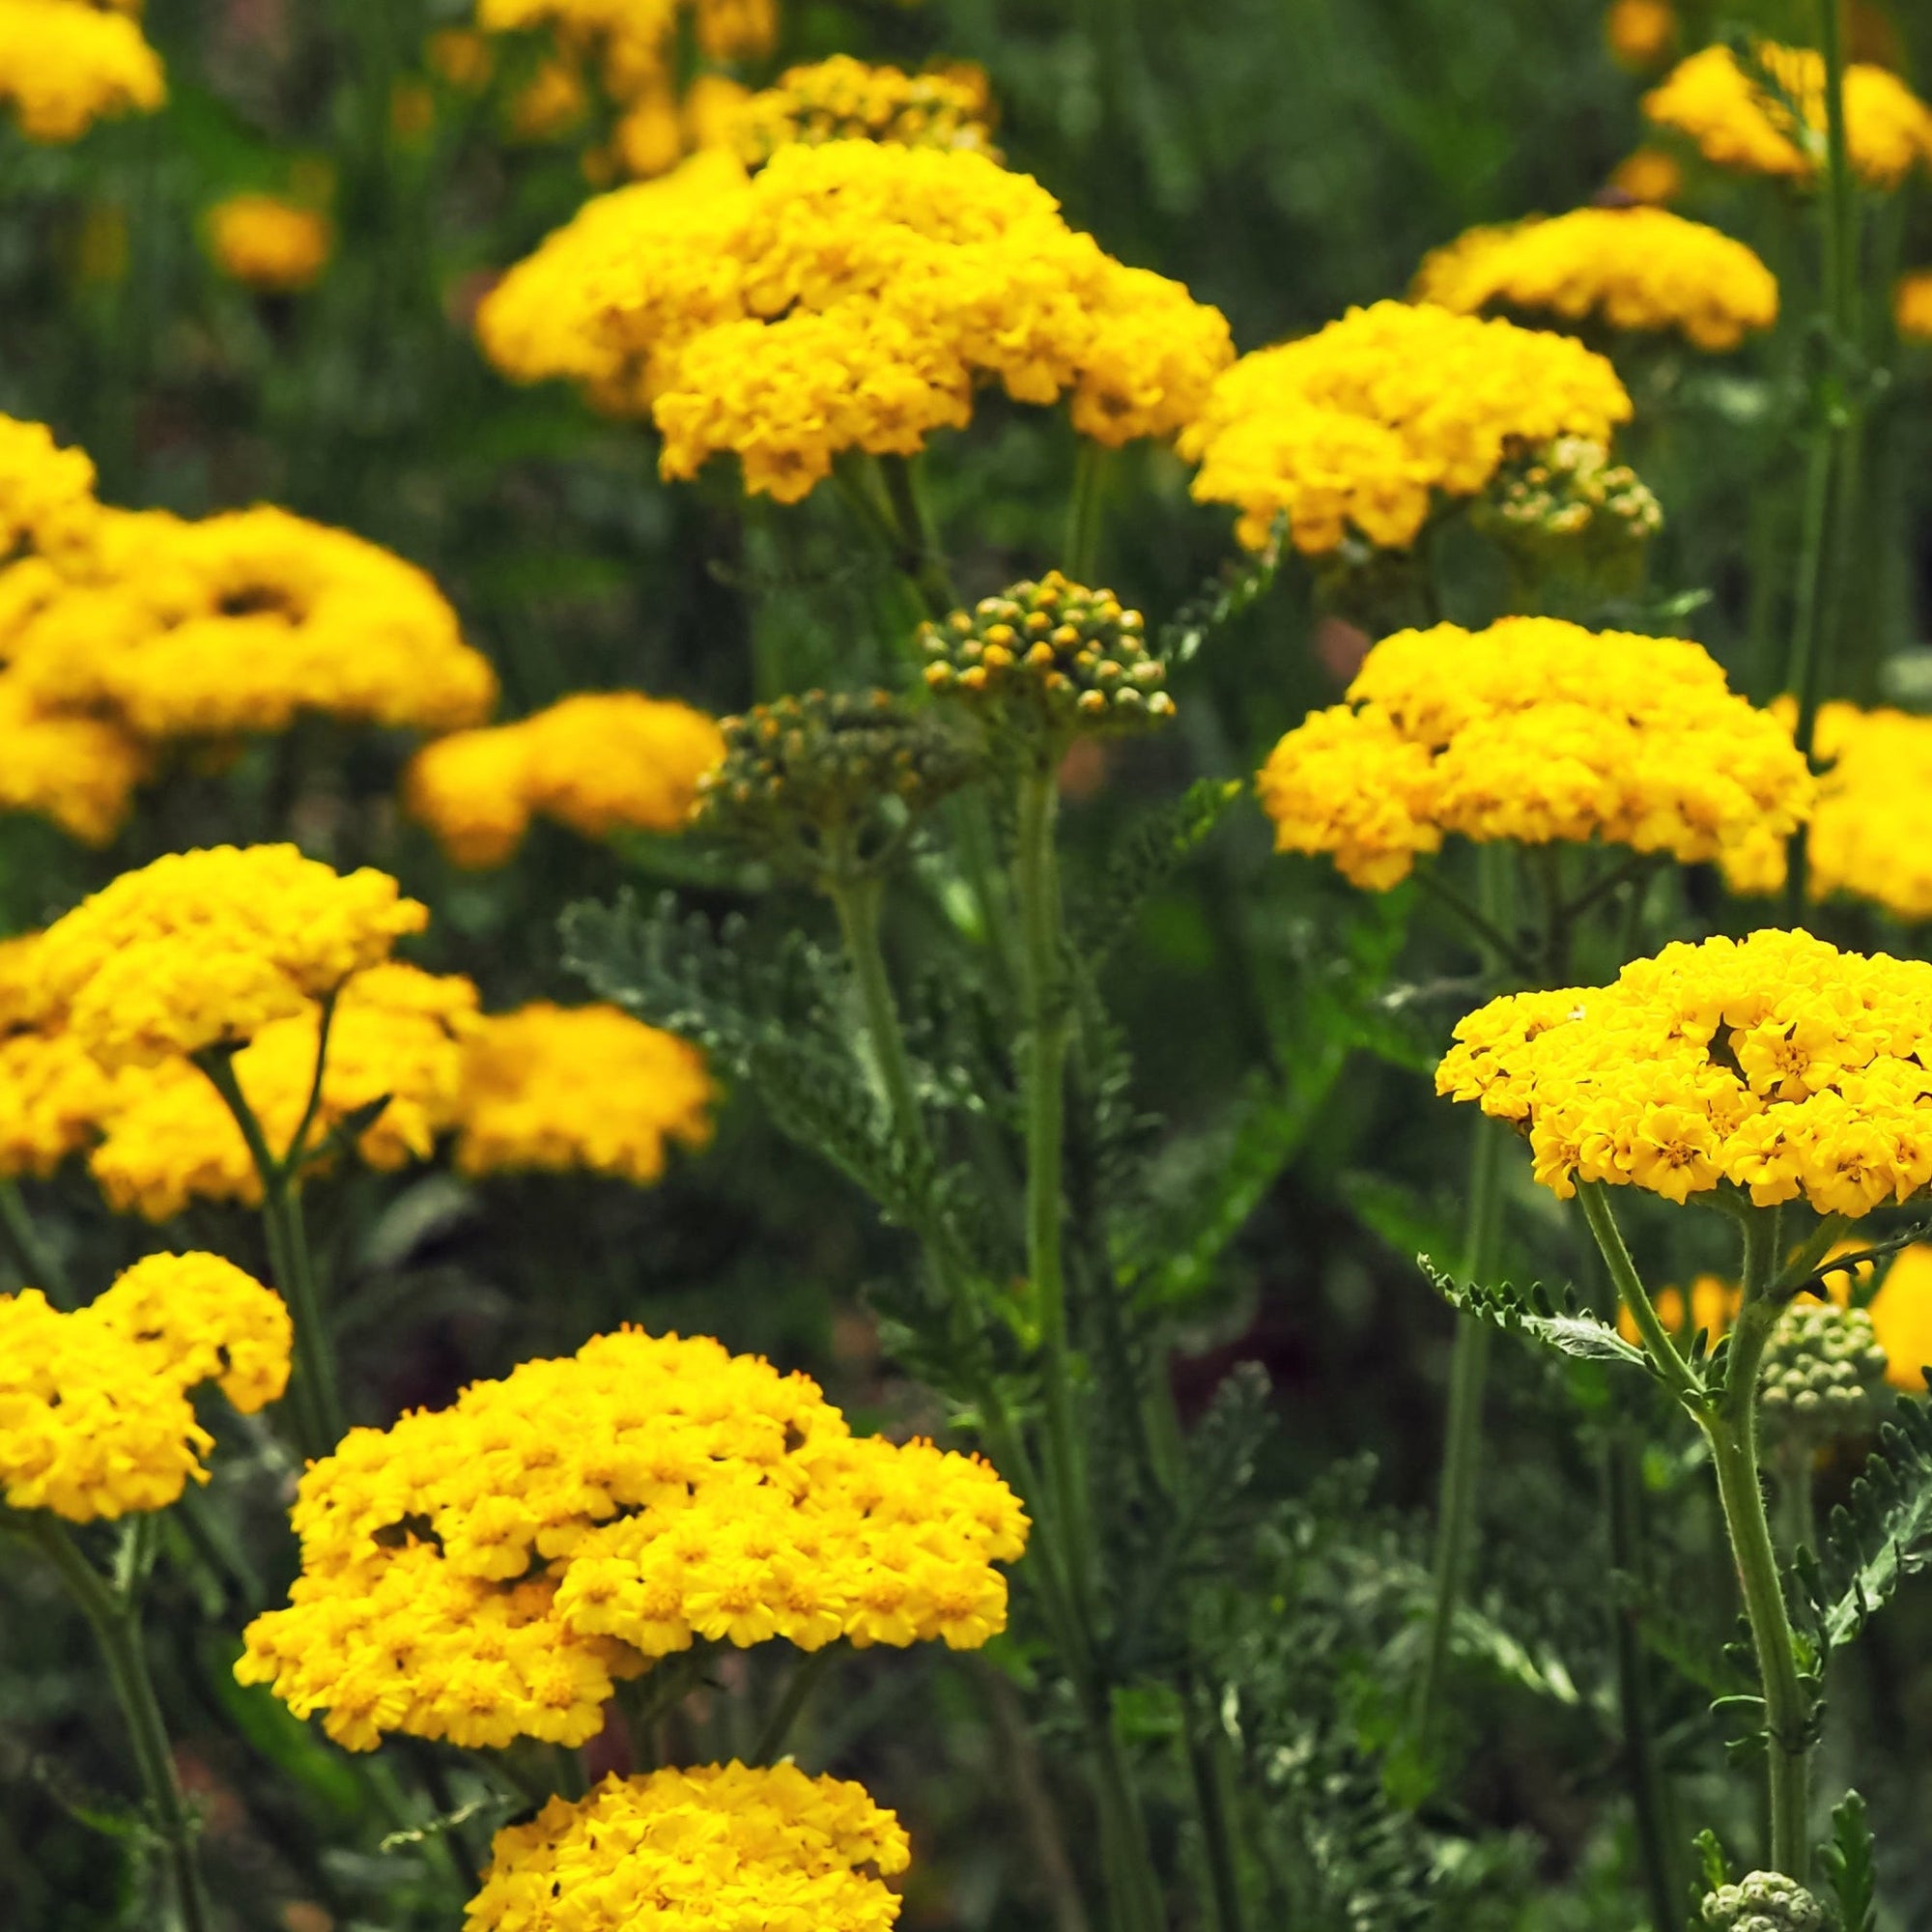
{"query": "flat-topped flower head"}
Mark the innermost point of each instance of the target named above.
(1737, 123)
(548, 1088)
(94, 1417)
(204, 949)
(828, 780)
(723, 1846)
(844, 99)
(1640, 270)
(66, 64)
(1537, 730)
(597, 763)
(849, 295)
(270, 243)
(1777, 1065)
(484, 1572)
(1871, 831)
(1051, 659)
(1357, 429)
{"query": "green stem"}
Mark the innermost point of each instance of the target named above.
(1206, 1775)
(805, 1680)
(43, 1267)
(1086, 511)
(920, 556)
(1676, 1372)
(118, 1628)
(858, 902)
(1481, 926)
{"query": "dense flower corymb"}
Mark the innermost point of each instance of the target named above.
(484, 1571)
(95, 1419)
(1359, 425)
(724, 1847)
(65, 65)
(1636, 269)
(201, 947)
(847, 296)
(1538, 730)
(1776, 1064)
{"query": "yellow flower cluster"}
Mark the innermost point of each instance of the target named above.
(268, 244)
(1538, 730)
(1631, 267)
(1776, 1064)
(597, 761)
(846, 296)
(65, 65)
(556, 1087)
(1871, 831)
(396, 1031)
(1912, 305)
(726, 1848)
(202, 947)
(843, 99)
(484, 1572)
(1640, 32)
(1737, 125)
(95, 1418)
(1357, 426)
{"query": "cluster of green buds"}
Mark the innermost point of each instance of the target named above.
(1763, 1902)
(828, 782)
(1053, 661)
(843, 99)
(1822, 1375)
(1566, 507)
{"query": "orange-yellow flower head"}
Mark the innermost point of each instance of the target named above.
(1871, 834)
(268, 244)
(65, 65)
(1912, 305)
(1776, 1064)
(1360, 427)
(484, 1572)
(1537, 730)
(850, 295)
(95, 1418)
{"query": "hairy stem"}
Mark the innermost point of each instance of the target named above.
(858, 903)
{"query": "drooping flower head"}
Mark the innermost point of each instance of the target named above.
(201, 949)
(724, 1847)
(1357, 428)
(65, 65)
(551, 1089)
(1739, 124)
(1631, 268)
(597, 763)
(843, 99)
(1537, 730)
(267, 243)
(1776, 1064)
(95, 1418)
(849, 295)
(484, 1571)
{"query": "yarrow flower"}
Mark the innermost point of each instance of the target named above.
(724, 1847)
(268, 244)
(1537, 730)
(552, 1088)
(1640, 32)
(1358, 426)
(1912, 305)
(484, 1572)
(843, 99)
(1633, 268)
(1737, 124)
(65, 65)
(1647, 176)
(849, 295)
(204, 949)
(95, 1418)
(597, 763)
(1776, 1064)
(1871, 831)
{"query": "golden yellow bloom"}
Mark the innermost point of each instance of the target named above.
(484, 1572)
(847, 296)
(1640, 32)
(1873, 821)
(1629, 268)
(396, 1031)
(95, 1419)
(1359, 425)
(78, 771)
(46, 492)
(1901, 1314)
(556, 1087)
(1648, 175)
(1735, 125)
(1776, 1064)
(65, 65)
(276, 245)
(1912, 305)
(732, 29)
(597, 763)
(54, 1095)
(203, 948)
(1537, 730)
(697, 1851)
(843, 99)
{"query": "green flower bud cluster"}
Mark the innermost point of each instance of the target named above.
(828, 781)
(1823, 1372)
(1052, 659)
(1569, 495)
(1763, 1902)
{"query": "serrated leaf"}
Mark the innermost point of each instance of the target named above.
(1881, 1534)
(1146, 859)
(1535, 1312)
(1849, 1863)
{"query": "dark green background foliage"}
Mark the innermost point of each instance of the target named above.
(1286, 158)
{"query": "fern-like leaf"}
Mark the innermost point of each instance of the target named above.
(1851, 1865)
(1537, 1314)
(1882, 1533)
(1147, 858)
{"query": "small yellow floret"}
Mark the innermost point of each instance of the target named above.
(268, 244)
